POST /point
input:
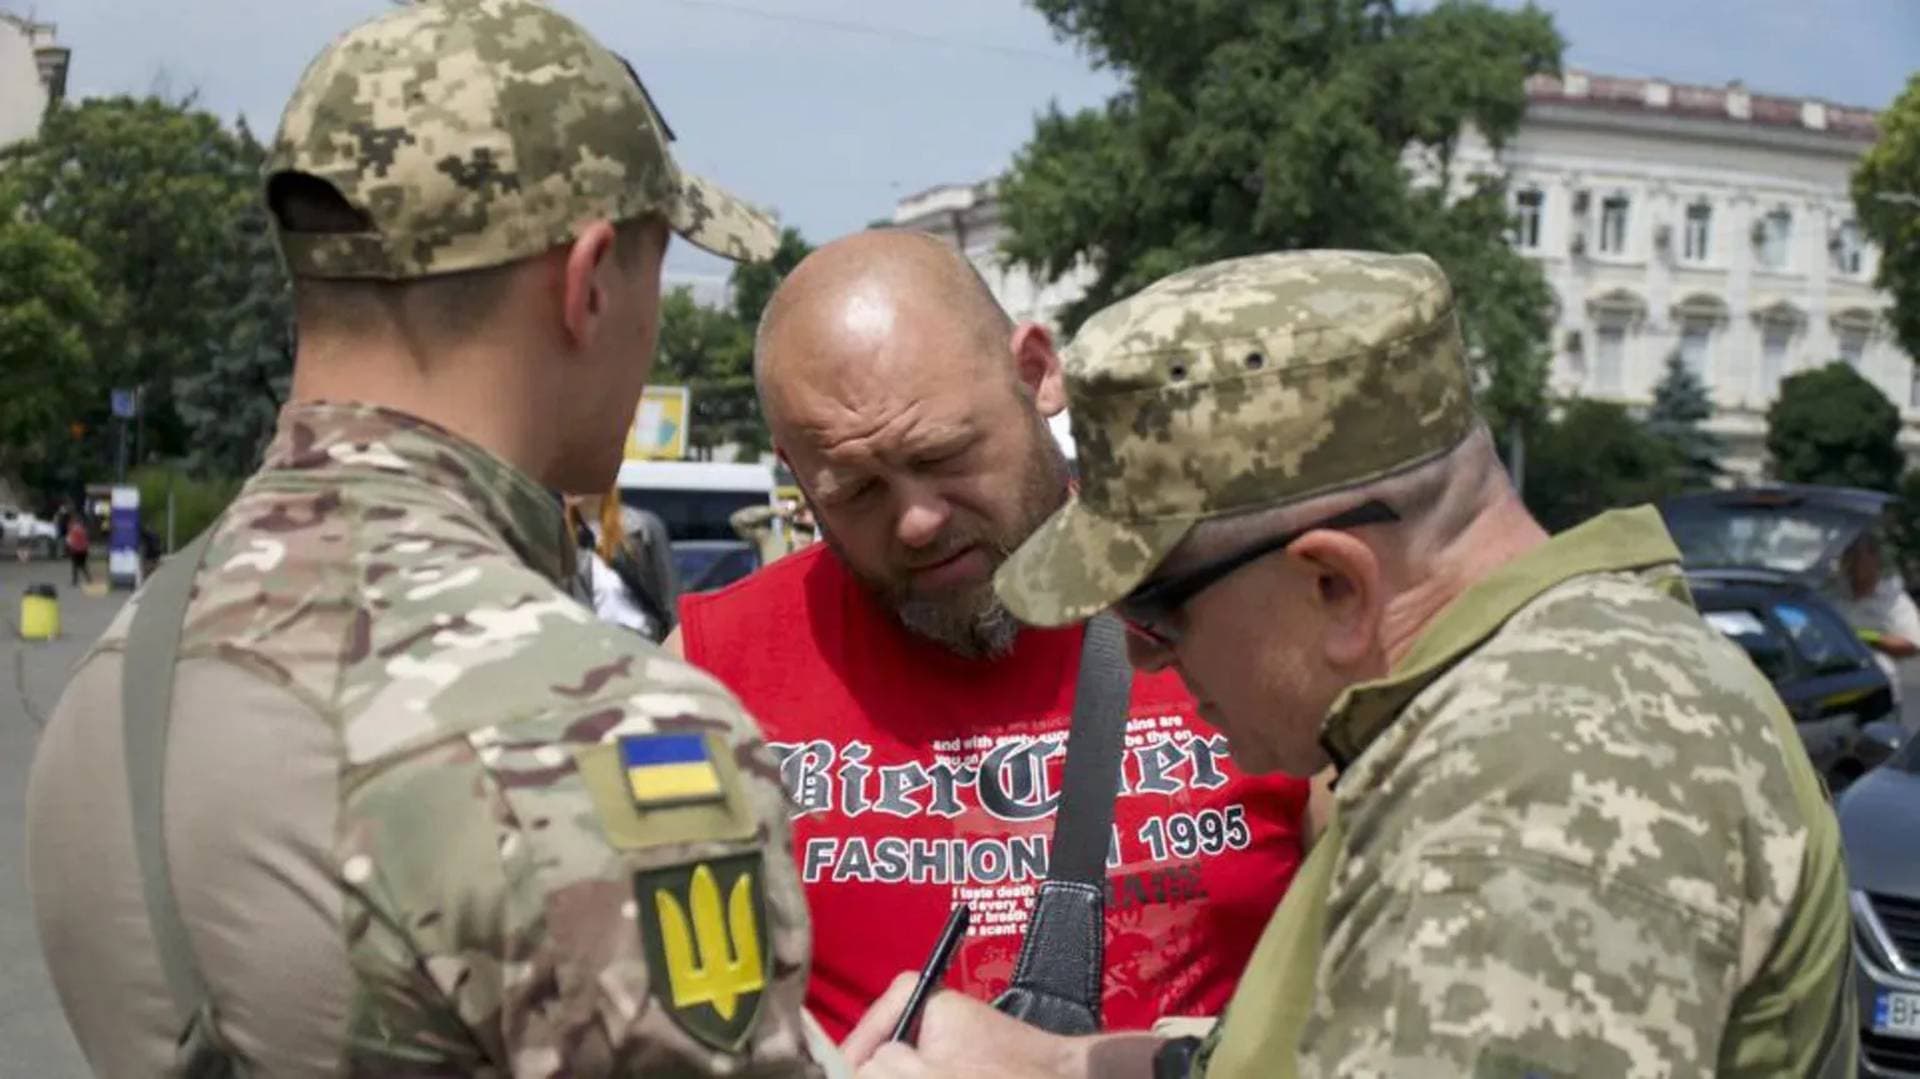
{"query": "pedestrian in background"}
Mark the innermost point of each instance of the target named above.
(913, 413)
(622, 575)
(1875, 603)
(79, 545)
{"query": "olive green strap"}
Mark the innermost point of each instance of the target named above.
(146, 696)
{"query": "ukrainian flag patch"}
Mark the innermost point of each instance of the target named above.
(669, 770)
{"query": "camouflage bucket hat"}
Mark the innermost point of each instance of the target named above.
(1241, 385)
(472, 133)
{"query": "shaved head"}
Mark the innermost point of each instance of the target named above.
(913, 411)
(847, 297)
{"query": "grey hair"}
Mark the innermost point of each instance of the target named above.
(1435, 500)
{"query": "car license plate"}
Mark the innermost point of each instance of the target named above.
(1897, 1013)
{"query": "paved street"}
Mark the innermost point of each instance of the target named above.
(34, 1041)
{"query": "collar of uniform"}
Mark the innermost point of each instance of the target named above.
(1612, 542)
(325, 436)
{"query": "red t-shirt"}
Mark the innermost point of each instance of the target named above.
(923, 779)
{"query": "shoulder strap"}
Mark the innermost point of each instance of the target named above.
(146, 695)
(1082, 830)
(1058, 980)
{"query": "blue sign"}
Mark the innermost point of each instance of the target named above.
(123, 542)
(123, 404)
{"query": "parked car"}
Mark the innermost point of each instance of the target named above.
(704, 565)
(18, 529)
(1794, 536)
(1879, 820)
(1840, 700)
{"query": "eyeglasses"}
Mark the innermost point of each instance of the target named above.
(1150, 609)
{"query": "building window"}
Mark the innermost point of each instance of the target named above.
(1609, 360)
(1613, 225)
(1774, 238)
(1776, 337)
(1696, 341)
(1697, 241)
(1528, 205)
(1849, 252)
(1853, 348)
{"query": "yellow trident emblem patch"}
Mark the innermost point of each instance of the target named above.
(707, 957)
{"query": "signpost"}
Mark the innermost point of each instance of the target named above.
(123, 541)
(125, 404)
(659, 431)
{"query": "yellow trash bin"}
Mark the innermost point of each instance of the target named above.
(39, 617)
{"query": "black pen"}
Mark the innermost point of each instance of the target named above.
(934, 972)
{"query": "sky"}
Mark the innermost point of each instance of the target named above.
(831, 110)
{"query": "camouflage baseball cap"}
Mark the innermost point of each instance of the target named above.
(471, 133)
(1241, 385)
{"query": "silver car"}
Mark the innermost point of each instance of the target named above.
(1880, 826)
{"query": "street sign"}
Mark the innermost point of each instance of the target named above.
(123, 401)
(123, 538)
(659, 431)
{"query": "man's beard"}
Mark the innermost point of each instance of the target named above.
(974, 623)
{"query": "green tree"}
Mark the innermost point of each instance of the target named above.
(232, 402)
(1886, 195)
(709, 350)
(1830, 425)
(1284, 125)
(753, 282)
(147, 187)
(1594, 456)
(49, 311)
(1680, 405)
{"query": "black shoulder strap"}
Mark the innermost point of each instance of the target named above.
(146, 696)
(1057, 982)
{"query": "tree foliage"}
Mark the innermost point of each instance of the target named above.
(1830, 425)
(1594, 456)
(153, 191)
(145, 187)
(753, 283)
(231, 403)
(710, 351)
(49, 310)
(1886, 195)
(1680, 405)
(1245, 128)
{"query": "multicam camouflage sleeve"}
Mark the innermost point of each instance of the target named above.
(605, 890)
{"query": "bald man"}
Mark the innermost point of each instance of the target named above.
(919, 726)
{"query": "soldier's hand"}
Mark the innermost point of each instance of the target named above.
(896, 1061)
(959, 1036)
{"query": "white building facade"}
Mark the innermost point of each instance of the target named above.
(1710, 222)
(33, 74)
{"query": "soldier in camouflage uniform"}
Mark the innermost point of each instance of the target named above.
(426, 814)
(1575, 833)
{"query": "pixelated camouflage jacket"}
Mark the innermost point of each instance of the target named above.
(404, 587)
(1575, 835)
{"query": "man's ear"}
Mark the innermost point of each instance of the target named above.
(1350, 588)
(1038, 364)
(584, 282)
